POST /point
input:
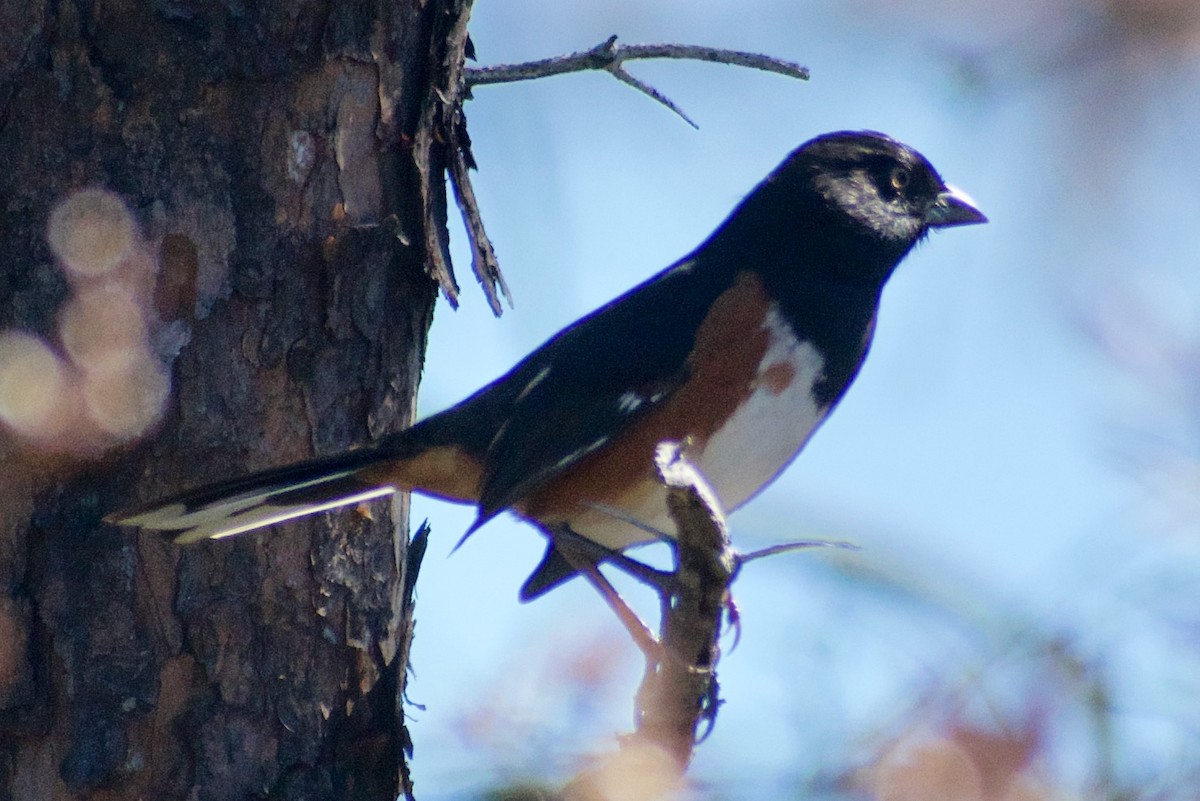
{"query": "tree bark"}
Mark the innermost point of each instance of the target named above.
(262, 150)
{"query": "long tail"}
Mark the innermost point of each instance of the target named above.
(425, 458)
(262, 499)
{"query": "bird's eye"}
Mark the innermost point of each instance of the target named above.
(900, 178)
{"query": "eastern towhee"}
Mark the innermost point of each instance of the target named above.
(739, 350)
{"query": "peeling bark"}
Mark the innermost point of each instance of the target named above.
(264, 152)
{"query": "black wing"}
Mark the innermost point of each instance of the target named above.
(573, 394)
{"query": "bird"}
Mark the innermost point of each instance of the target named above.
(739, 350)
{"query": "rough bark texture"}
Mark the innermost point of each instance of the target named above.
(263, 151)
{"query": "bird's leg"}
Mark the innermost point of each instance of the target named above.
(638, 630)
(585, 556)
(642, 636)
(663, 581)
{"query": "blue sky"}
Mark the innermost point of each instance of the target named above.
(981, 459)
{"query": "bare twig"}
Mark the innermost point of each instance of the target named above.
(608, 54)
(440, 143)
(433, 207)
(441, 110)
(412, 567)
(611, 57)
(461, 161)
(648, 90)
(483, 257)
(787, 547)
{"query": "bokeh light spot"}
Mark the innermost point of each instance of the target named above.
(32, 378)
(125, 403)
(102, 328)
(90, 232)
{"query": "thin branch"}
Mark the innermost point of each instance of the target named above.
(433, 209)
(428, 143)
(611, 57)
(441, 141)
(458, 144)
(787, 547)
(483, 257)
(624, 77)
(412, 567)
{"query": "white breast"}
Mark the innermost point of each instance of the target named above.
(769, 429)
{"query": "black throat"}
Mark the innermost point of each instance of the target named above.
(825, 275)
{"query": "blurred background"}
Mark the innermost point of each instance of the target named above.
(1018, 459)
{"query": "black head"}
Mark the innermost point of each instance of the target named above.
(843, 206)
(824, 232)
(881, 187)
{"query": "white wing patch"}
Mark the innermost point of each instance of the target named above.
(629, 402)
(769, 429)
(533, 382)
(579, 453)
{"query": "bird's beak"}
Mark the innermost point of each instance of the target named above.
(953, 206)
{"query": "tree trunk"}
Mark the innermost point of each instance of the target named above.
(271, 269)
